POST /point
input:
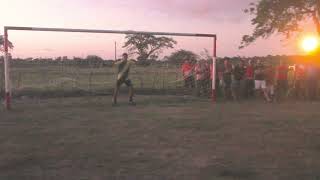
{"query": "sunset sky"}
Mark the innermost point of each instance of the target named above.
(224, 18)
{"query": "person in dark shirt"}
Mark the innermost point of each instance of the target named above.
(227, 79)
(312, 78)
(300, 81)
(282, 81)
(238, 72)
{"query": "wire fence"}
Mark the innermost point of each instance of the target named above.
(65, 79)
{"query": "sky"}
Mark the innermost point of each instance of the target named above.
(224, 18)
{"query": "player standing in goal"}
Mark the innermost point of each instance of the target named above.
(123, 68)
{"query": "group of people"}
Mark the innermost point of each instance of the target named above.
(239, 80)
(198, 76)
(248, 79)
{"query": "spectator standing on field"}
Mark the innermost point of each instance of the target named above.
(243, 80)
(300, 81)
(249, 80)
(260, 81)
(207, 76)
(238, 72)
(227, 79)
(282, 80)
(312, 81)
(187, 72)
(291, 81)
(270, 80)
(201, 76)
(208, 80)
(219, 74)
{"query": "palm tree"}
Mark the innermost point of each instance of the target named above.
(2, 42)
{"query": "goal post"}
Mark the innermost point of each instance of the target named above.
(214, 69)
(8, 93)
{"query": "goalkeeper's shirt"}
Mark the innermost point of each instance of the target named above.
(123, 69)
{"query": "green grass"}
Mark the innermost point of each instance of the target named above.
(163, 137)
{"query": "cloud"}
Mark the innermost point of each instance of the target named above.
(217, 10)
(214, 9)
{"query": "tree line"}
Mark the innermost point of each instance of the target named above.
(176, 58)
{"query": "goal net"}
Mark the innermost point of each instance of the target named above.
(53, 62)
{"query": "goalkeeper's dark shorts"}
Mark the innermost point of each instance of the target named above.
(127, 82)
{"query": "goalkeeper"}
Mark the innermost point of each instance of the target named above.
(123, 68)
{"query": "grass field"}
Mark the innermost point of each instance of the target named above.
(163, 137)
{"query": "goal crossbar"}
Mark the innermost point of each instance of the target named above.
(7, 102)
(106, 31)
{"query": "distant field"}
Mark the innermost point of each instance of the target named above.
(163, 137)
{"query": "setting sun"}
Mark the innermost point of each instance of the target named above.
(310, 43)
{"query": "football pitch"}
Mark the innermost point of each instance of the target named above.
(162, 137)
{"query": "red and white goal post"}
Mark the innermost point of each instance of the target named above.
(8, 93)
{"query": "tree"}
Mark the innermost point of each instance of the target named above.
(145, 45)
(206, 55)
(94, 60)
(280, 16)
(179, 56)
(10, 45)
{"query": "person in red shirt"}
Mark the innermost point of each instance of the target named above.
(187, 72)
(282, 80)
(249, 79)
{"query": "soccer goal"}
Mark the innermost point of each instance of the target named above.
(7, 64)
